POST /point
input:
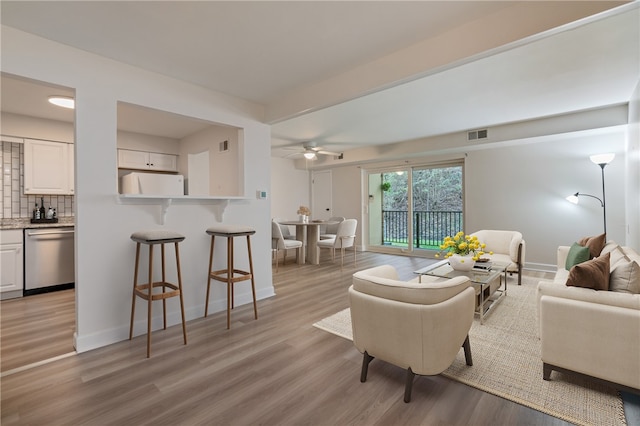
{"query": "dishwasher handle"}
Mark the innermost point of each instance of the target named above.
(34, 233)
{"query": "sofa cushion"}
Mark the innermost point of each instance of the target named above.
(593, 274)
(577, 254)
(625, 277)
(595, 244)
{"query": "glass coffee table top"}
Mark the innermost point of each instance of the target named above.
(487, 281)
(476, 275)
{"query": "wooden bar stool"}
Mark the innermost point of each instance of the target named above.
(145, 291)
(230, 274)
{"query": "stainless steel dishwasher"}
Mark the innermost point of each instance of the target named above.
(49, 259)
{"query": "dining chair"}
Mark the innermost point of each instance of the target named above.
(286, 232)
(278, 242)
(329, 231)
(345, 238)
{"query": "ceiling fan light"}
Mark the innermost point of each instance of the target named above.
(62, 101)
(309, 155)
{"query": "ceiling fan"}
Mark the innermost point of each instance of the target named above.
(310, 151)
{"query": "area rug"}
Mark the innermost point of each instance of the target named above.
(506, 363)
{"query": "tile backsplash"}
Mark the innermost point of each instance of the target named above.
(13, 203)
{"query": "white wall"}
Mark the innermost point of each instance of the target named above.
(633, 170)
(289, 189)
(523, 187)
(151, 143)
(35, 128)
(104, 251)
(224, 167)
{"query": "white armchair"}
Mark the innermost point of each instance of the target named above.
(418, 327)
(507, 247)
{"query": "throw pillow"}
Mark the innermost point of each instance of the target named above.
(593, 274)
(617, 255)
(625, 278)
(577, 254)
(595, 244)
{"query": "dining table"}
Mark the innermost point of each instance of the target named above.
(309, 233)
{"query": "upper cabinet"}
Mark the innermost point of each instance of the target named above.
(142, 160)
(48, 167)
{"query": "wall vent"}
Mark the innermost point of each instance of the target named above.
(477, 134)
(224, 146)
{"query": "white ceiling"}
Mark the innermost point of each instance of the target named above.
(264, 51)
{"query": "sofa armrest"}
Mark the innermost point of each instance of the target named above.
(561, 256)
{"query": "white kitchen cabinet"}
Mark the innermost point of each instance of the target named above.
(11, 269)
(143, 160)
(47, 167)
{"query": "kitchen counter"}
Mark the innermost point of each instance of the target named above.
(22, 223)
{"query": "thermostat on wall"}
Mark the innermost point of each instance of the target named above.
(261, 195)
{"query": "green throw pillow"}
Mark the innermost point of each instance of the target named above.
(577, 254)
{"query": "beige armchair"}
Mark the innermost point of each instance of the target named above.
(507, 247)
(418, 327)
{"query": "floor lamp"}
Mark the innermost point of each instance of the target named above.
(601, 160)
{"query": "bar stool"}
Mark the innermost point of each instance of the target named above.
(230, 275)
(145, 291)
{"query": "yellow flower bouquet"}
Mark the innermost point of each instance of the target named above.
(462, 245)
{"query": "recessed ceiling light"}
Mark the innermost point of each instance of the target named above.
(62, 101)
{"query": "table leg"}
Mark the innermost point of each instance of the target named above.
(301, 236)
(313, 236)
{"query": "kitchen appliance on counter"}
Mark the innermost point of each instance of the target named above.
(152, 184)
(49, 259)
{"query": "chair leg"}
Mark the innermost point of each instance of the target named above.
(365, 366)
(164, 280)
(206, 301)
(253, 283)
(149, 301)
(467, 351)
(135, 284)
(408, 385)
(184, 323)
(229, 282)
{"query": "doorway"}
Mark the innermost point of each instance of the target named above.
(410, 210)
(39, 327)
(321, 193)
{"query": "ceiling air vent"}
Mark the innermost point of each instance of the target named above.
(477, 134)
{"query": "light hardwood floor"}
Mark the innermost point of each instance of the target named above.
(36, 328)
(277, 370)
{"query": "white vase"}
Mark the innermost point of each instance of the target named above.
(462, 263)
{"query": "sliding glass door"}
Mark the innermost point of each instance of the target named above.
(410, 210)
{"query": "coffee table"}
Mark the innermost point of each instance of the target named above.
(487, 282)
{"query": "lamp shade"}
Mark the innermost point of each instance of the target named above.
(309, 155)
(573, 198)
(602, 158)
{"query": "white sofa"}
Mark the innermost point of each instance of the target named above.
(507, 247)
(592, 332)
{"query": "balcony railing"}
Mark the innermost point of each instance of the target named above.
(429, 228)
